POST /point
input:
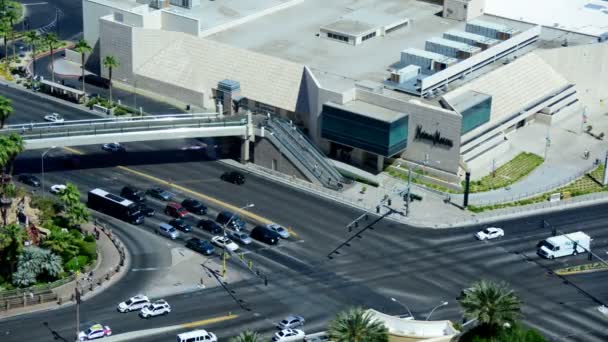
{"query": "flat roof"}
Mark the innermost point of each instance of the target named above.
(362, 21)
(430, 55)
(371, 110)
(472, 36)
(454, 44)
(467, 99)
(492, 25)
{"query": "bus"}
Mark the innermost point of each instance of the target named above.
(115, 206)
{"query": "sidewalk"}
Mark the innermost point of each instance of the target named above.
(106, 272)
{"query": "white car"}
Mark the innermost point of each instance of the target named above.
(288, 335)
(113, 147)
(57, 189)
(283, 233)
(54, 118)
(134, 303)
(224, 242)
(489, 233)
(194, 147)
(94, 332)
(160, 307)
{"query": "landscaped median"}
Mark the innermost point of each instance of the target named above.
(507, 174)
(586, 268)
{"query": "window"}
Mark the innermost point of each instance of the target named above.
(368, 36)
(337, 36)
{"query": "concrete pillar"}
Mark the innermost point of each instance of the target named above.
(380, 163)
(244, 150)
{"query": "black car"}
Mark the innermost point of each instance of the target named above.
(160, 193)
(194, 206)
(265, 235)
(180, 224)
(29, 180)
(134, 194)
(231, 220)
(202, 246)
(234, 177)
(147, 211)
(210, 226)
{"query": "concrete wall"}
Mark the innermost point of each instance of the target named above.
(264, 153)
(116, 41)
(92, 11)
(179, 23)
(463, 9)
(186, 96)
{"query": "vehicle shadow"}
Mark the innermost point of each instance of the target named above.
(55, 334)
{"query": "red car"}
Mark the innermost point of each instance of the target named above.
(175, 210)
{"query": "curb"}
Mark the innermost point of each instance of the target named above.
(567, 273)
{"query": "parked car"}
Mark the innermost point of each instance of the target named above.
(113, 147)
(288, 335)
(266, 235)
(240, 237)
(210, 226)
(167, 230)
(194, 206)
(174, 209)
(160, 307)
(29, 180)
(197, 335)
(489, 233)
(160, 193)
(146, 210)
(224, 242)
(233, 177)
(180, 224)
(95, 331)
(133, 194)
(54, 118)
(57, 188)
(291, 321)
(284, 233)
(134, 303)
(202, 246)
(231, 220)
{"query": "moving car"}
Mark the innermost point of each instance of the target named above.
(132, 193)
(113, 147)
(194, 206)
(160, 193)
(175, 210)
(180, 224)
(291, 321)
(147, 211)
(57, 188)
(167, 230)
(233, 177)
(95, 331)
(194, 147)
(202, 246)
(266, 235)
(489, 233)
(160, 307)
(224, 242)
(240, 237)
(134, 303)
(562, 245)
(230, 220)
(54, 118)
(210, 226)
(288, 335)
(197, 335)
(29, 180)
(283, 233)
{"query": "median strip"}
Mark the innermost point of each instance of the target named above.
(209, 321)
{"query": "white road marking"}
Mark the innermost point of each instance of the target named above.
(145, 269)
(35, 4)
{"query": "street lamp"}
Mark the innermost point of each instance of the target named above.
(249, 205)
(405, 306)
(42, 162)
(435, 308)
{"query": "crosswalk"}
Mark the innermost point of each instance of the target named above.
(52, 25)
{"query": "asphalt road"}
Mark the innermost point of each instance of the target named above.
(419, 267)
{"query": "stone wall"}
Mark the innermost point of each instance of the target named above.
(264, 153)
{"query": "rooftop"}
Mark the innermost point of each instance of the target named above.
(373, 111)
(362, 21)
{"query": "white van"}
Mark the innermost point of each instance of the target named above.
(562, 245)
(197, 335)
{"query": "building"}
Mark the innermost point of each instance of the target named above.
(463, 10)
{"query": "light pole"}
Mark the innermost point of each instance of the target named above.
(405, 306)
(42, 162)
(435, 308)
(249, 205)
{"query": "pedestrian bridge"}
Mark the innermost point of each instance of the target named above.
(130, 129)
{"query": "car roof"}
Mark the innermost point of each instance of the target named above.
(292, 317)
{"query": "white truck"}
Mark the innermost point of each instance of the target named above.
(562, 245)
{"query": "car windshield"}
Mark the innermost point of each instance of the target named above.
(284, 321)
(171, 230)
(129, 302)
(487, 231)
(548, 245)
(88, 331)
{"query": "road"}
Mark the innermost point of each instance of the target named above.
(419, 267)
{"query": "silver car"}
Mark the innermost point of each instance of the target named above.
(167, 230)
(240, 237)
(283, 233)
(291, 321)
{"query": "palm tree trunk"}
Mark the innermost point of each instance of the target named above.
(6, 50)
(110, 74)
(2, 119)
(82, 66)
(52, 65)
(33, 59)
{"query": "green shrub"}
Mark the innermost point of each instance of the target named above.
(89, 238)
(76, 263)
(46, 206)
(120, 111)
(88, 249)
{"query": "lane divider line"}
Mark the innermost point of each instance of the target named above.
(209, 321)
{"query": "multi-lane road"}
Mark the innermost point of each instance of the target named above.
(419, 267)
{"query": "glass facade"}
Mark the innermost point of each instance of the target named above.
(476, 115)
(363, 132)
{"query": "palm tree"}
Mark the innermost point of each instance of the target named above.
(357, 325)
(83, 48)
(12, 238)
(70, 195)
(15, 147)
(61, 243)
(247, 336)
(31, 37)
(11, 16)
(491, 303)
(110, 62)
(6, 109)
(77, 214)
(51, 40)
(5, 31)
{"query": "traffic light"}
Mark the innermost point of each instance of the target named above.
(377, 209)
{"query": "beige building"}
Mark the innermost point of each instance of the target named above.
(463, 10)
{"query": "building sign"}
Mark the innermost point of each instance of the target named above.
(433, 138)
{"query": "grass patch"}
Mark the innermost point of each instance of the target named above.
(587, 184)
(417, 178)
(509, 173)
(580, 268)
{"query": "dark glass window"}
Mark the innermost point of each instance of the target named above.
(476, 115)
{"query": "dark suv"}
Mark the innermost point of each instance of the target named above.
(265, 235)
(134, 194)
(231, 220)
(234, 177)
(180, 224)
(29, 180)
(210, 226)
(194, 206)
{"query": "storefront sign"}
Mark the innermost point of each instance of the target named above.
(433, 138)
